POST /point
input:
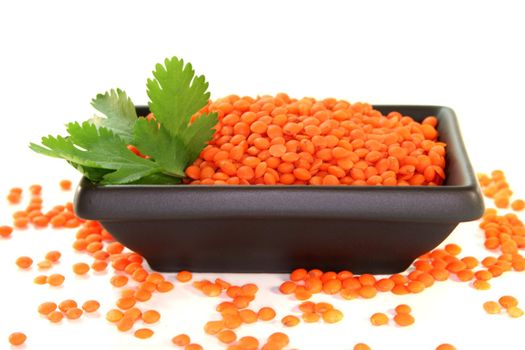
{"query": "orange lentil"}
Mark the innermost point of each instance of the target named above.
(384, 285)
(164, 286)
(483, 275)
(307, 306)
(114, 315)
(35, 189)
(80, 268)
(439, 274)
(266, 314)
(143, 333)
(470, 262)
(21, 222)
(311, 285)
(403, 309)
(248, 316)
(446, 347)
(184, 276)
(126, 303)
(456, 266)
(332, 316)
(290, 321)
(150, 316)
(155, 278)
(348, 294)
(99, 266)
(74, 313)
(518, 205)
(491, 307)
(298, 274)
(403, 319)
(17, 338)
(41, 279)
(24, 262)
(241, 301)
(119, 280)
(232, 321)
(379, 319)
(332, 286)
(53, 256)
(279, 339)
(214, 327)
(508, 301)
(65, 185)
(5, 231)
(287, 287)
(400, 289)
(481, 285)
(212, 289)
(181, 340)
(125, 323)
(91, 306)
(142, 295)
(514, 311)
(46, 308)
(44, 264)
(55, 280)
(453, 249)
(55, 316)
(227, 336)
(248, 343)
(367, 292)
(14, 198)
(415, 286)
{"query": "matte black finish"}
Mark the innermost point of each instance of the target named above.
(374, 229)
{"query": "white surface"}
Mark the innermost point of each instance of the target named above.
(57, 55)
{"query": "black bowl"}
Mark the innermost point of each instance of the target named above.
(365, 229)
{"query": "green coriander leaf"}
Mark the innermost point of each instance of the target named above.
(158, 179)
(94, 174)
(119, 111)
(167, 151)
(197, 135)
(92, 147)
(176, 94)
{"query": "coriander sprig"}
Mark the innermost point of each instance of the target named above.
(99, 147)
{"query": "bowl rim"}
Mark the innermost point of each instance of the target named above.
(448, 203)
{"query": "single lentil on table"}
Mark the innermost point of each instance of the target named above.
(504, 233)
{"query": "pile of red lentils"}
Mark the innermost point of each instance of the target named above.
(273, 140)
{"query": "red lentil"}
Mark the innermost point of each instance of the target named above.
(91, 306)
(17, 338)
(491, 307)
(143, 333)
(24, 262)
(290, 321)
(379, 319)
(5, 231)
(227, 336)
(181, 340)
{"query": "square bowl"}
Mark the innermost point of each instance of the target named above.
(364, 229)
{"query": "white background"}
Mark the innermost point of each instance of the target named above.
(56, 55)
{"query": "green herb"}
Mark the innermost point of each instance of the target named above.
(119, 111)
(99, 147)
